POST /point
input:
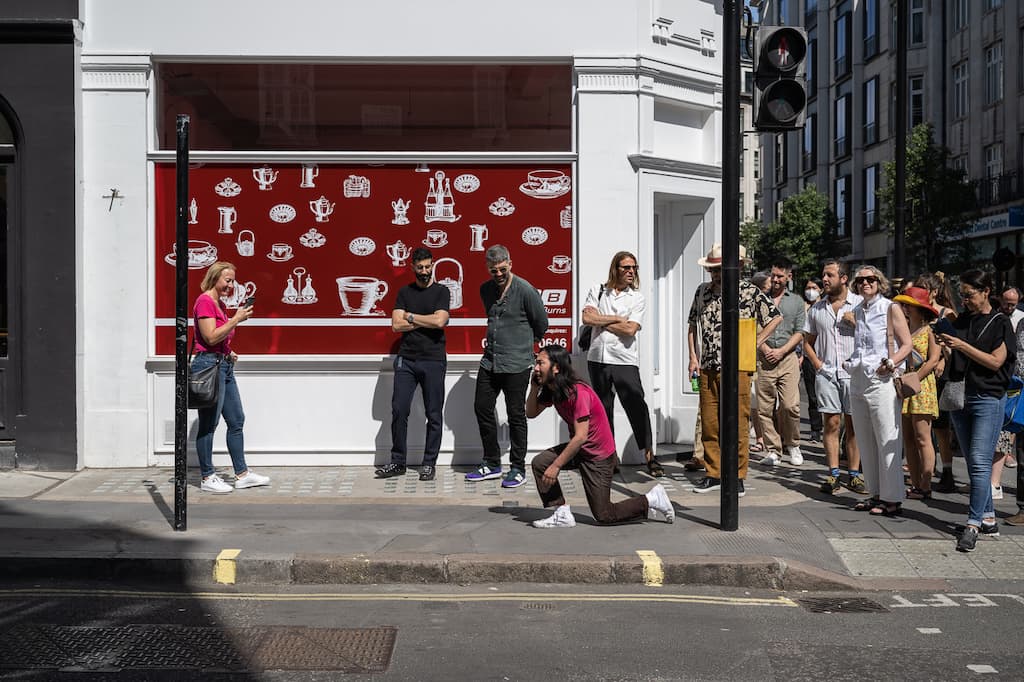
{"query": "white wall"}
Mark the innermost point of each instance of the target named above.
(630, 58)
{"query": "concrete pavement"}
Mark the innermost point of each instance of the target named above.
(341, 525)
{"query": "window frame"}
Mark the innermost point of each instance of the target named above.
(871, 109)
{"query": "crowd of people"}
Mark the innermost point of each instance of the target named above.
(887, 371)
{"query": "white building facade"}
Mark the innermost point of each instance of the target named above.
(316, 128)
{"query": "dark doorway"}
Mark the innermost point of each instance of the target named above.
(8, 379)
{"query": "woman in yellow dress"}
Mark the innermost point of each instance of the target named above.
(920, 410)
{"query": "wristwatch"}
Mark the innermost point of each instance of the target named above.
(408, 318)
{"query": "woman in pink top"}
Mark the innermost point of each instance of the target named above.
(591, 448)
(213, 335)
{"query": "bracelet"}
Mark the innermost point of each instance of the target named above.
(890, 365)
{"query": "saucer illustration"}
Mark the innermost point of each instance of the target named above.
(200, 255)
(281, 259)
(282, 213)
(541, 191)
(559, 271)
(362, 246)
(228, 188)
(435, 245)
(467, 183)
(534, 236)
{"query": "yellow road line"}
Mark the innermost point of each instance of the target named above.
(412, 597)
(224, 566)
(654, 576)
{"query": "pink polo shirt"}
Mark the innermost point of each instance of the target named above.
(600, 443)
(207, 307)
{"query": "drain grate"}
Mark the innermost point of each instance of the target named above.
(841, 605)
(539, 606)
(172, 647)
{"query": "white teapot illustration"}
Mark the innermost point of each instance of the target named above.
(400, 208)
(398, 252)
(321, 208)
(266, 176)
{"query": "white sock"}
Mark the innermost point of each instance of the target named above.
(650, 497)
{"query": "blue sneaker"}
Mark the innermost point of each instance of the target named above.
(484, 473)
(514, 478)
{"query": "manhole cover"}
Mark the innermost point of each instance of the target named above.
(173, 647)
(841, 605)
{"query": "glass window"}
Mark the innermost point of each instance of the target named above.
(757, 163)
(961, 103)
(842, 228)
(960, 163)
(959, 14)
(811, 63)
(5, 176)
(842, 45)
(994, 169)
(916, 28)
(780, 158)
(993, 4)
(870, 28)
(870, 198)
(842, 117)
(871, 111)
(916, 114)
(783, 6)
(994, 73)
(367, 107)
(809, 157)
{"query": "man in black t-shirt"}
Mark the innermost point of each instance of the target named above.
(420, 315)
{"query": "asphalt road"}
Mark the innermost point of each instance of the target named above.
(510, 632)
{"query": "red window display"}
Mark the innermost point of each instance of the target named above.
(325, 248)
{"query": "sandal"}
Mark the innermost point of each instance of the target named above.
(887, 509)
(757, 447)
(654, 468)
(916, 493)
(867, 505)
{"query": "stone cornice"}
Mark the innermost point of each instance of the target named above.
(116, 72)
(645, 76)
(688, 168)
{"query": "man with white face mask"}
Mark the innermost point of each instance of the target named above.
(812, 293)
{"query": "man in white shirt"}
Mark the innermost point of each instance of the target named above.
(1008, 301)
(828, 343)
(615, 310)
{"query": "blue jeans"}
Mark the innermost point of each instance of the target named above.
(977, 428)
(230, 405)
(429, 376)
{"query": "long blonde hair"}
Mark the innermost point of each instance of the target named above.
(214, 273)
(613, 270)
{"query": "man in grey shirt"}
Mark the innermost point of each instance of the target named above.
(516, 319)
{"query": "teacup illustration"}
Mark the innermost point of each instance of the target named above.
(200, 254)
(436, 238)
(560, 264)
(359, 295)
(280, 252)
(546, 184)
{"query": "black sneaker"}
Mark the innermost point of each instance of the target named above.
(390, 471)
(968, 539)
(990, 530)
(742, 490)
(946, 483)
(427, 473)
(707, 485)
(831, 485)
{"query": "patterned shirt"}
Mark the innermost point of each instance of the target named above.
(706, 315)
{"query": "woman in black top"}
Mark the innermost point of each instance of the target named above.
(984, 355)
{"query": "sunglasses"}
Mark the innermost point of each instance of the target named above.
(627, 267)
(870, 279)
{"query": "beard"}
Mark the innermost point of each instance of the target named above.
(423, 279)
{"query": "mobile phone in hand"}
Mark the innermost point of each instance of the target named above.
(944, 326)
(249, 302)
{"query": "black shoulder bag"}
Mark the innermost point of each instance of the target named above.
(587, 332)
(204, 386)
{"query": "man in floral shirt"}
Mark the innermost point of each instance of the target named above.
(706, 316)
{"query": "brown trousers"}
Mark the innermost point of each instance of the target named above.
(709, 392)
(597, 484)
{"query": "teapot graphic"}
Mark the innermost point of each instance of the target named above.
(453, 285)
(400, 208)
(266, 176)
(246, 243)
(398, 252)
(321, 208)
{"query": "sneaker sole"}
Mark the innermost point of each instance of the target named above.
(512, 485)
(477, 479)
(217, 492)
(701, 491)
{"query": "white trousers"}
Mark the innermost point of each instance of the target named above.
(876, 421)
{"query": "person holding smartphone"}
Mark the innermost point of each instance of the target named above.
(214, 331)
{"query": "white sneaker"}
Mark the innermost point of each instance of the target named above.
(251, 480)
(997, 492)
(562, 518)
(796, 458)
(214, 484)
(771, 459)
(657, 501)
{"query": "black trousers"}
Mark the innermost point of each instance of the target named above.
(807, 371)
(488, 386)
(428, 375)
(625, 380)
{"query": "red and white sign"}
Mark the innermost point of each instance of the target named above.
(325, 249)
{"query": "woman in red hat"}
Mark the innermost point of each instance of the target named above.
(919, 411)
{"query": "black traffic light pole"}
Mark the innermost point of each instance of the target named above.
(899, 229)
(728, 416)
(181, 331)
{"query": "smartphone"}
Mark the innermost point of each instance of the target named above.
(249, 301)
(944, 326)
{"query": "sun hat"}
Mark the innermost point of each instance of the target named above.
(918, 297)
(714, 257)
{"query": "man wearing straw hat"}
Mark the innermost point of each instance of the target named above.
(706, 313)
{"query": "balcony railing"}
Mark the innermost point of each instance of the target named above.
(999, 189)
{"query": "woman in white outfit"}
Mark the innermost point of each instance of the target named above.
(881, 343)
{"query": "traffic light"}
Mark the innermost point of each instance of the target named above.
(780, 94)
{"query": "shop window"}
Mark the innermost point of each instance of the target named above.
(368, 107)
